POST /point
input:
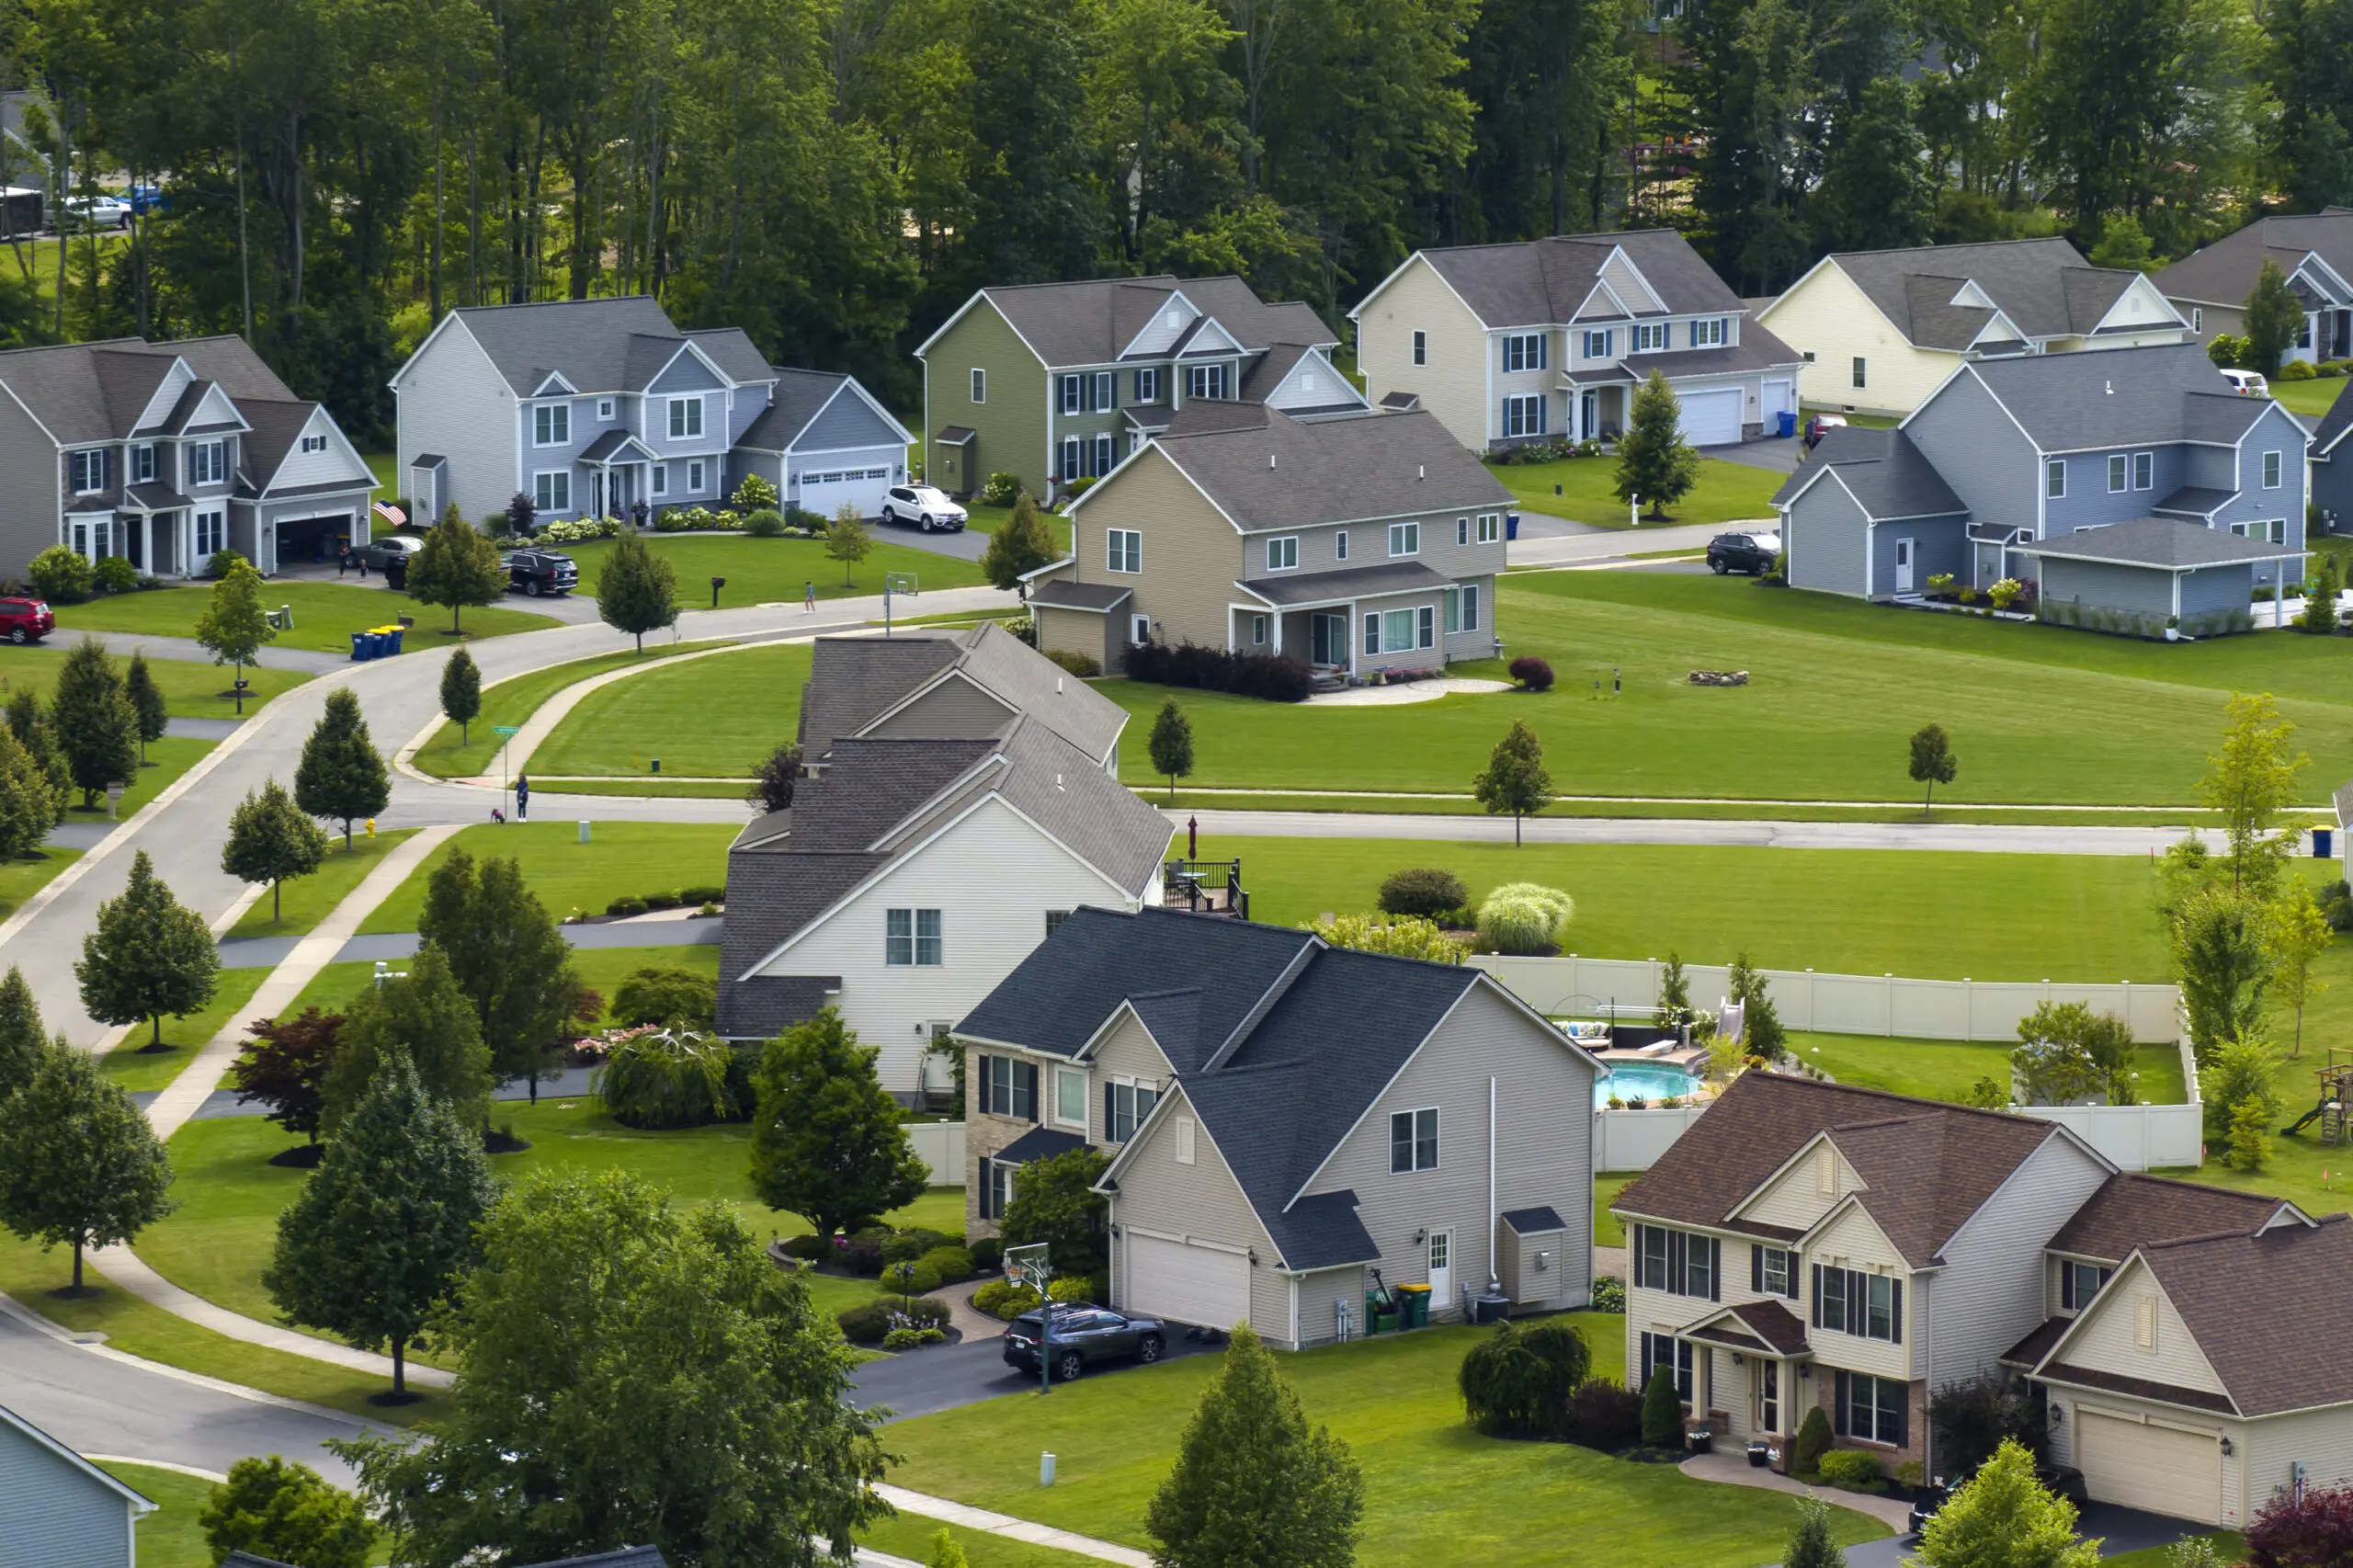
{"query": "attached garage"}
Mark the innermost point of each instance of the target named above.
(2161, 1469)
(822, 482)
(1185, 1281)
(314, 541)
(1777, 397)
(1711, 416)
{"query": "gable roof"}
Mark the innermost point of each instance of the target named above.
(1928, 1166)
(2044, 288)
(2161, 392)
(1266, 469)
(798, 398)
(732, 350)
(139, 1501)
(2224, 272)
(2165, 544)
(2333, 423)
(1544, 282)
(854, 681)
(273, 427)
(1092, 322)
(95, 391)
(2132, 1211)
(1886, 474)
(598, 345)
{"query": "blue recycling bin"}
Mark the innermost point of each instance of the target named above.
(1511, 525)
(2323, 842)
(362, 647)
(1788, 425)
(395, 636)
(378, 645)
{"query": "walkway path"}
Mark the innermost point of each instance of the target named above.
(1733, 1469)
(964, 1517)
(2000, 838)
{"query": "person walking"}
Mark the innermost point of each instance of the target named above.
(522, 797)
(809, 598)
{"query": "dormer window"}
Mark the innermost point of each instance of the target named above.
(1710, 334)
(551, 424)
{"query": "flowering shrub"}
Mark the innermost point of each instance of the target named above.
(590, 1050)
(696, 519)
(567, 530)
(2006, 593)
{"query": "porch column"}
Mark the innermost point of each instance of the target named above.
(1355, 634)
(1278, 630)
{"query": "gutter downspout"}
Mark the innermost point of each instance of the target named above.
(1494, 1282)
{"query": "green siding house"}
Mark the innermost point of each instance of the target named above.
(1057, 382)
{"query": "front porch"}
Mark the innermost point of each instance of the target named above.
(1348, 623)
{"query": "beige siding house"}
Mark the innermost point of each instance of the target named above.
(1354, 545)
(1289, 1125)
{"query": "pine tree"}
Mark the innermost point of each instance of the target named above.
(827, 1138)
(456, 565)
(97, 725)
(342, 776)
(1254, 1485)
(509, 958)
(29, 802)
(79, 1165)
(1514, 779)
(1812, 1545)
(149, 955)
(1172, 744)
(1021, 544)
(2273, 318)
(377, 1239)
(421, 1015)
(23, 1041)
(637, 591)
(28, 721)
(1654, 462)
(2321, 589)
(461, 693)
(271, 840)
(848, 540)
(147, 701)
(234, 627)
(1875, 192)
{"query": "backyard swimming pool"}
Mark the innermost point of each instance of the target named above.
(1647, 1081)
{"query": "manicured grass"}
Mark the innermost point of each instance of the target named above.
(602, 968)
(166, 760)
(1435, 1491)
(19, 880)
(135, 1067)
(768, 571)
(1606, 1230)
(709, 717)
(1429, 803)
(2312, 398)
(620, 858)
(1945, 1069)
(1939, 915)
(705, 790)
(910, 1536)
(510, 702)
(325, 615)
(2226, 1542)
(2037, 714)
(306, 900)
(1727, 492)
(168, 1538)
(191, 690)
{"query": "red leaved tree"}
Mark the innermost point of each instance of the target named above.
(285, 1067)
(2315, 1532)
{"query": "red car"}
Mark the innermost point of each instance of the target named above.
(26, 620)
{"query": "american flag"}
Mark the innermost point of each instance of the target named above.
(391, 515)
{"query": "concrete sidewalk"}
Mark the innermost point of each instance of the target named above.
(965, 1516)
(1996, 838)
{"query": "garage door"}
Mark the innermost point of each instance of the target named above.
(304, 542)
(1712, 418)
(1185, 1283)
(859, 478)
(2161, 1469)
(1780, 397)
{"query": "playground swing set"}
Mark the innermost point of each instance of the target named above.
(2334, 1109)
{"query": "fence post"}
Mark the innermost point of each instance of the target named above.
(1889, 1028)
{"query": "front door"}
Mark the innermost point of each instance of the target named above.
(1441, 1269)
(1327, 640)
(1588, 416)
(1768, 1396)
(1902, 565)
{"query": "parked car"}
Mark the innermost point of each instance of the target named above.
(536, 572)
(2247, 383)
(1821, 425)
(97, 213)
(26, 620)
(1084, 1334)
(1752, 554)
(145, 199)
(2061, 1480)
(926, 507)
(393, 552)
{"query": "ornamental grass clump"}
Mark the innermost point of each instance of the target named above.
(1525, 918)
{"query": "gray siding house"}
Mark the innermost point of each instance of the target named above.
(163, 453)
(1286, 1119)
(2332, 467)
(57, 1509)
(2132, 488)
(602, 407)
(2211, 286)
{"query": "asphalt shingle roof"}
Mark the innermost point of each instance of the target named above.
(855, 680)
(2224, 273)
(2132, 1209)
(799, 397)
(1536, 1220)
(1090, 323)
(599, 345)
(1888, 476)
(91, 391)
(1347, 583)
(732, 350)
(274, 425)
(1543, 282)
(1757, 350)
(2118, 397)
(2198, 501)
(1059, 594)
(2044, 288)
(2335, 422)
(1266, 469)
(2165, 544)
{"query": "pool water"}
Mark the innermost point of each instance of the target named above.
(1643, 1081)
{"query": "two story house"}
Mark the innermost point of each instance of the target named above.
(57, 1509)
(2133, 486)
(1055, 382)
(1547, 339)
(1356, 545)
(596, 407)
(1284, 1118)
(1880, 330)
(163, 453)
(963, 798)
(2210, 287)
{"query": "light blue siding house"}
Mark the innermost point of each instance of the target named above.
(57, 1509)
(2132, 491)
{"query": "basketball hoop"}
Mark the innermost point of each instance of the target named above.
(1028, 1264)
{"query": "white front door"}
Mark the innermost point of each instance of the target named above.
(1768, 1396)
(1441, 1269)
(1902, 565)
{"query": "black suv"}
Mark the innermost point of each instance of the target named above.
(536, 572)
(1753, 554)
(1084, 1334)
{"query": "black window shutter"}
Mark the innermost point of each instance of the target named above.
(1896, 1313)
(1027, 1083)
(1677, 1253)
(1903, 1420)
(1647, 1360)
(986, 1063)
(1838, 1406)
(2067, 1286)
(1816, 1313)
(1755, 1268)
(1790, 1277)
(988, 1186)
(1715, 1268)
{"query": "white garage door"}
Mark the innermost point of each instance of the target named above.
(2160, 1469)
(832, 478)
(1187, 1284)
(1780, 397)
(1712, 418)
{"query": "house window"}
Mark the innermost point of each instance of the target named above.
(1524, 351)
(1074, 394)
(1074, 454)
(1870, 1306)
(1649, 338)
(87, 472)
(1138, 630)
(1675, 1355)
(211, 532)
(1340, 545)
(1461, 531)
(980, 385)
(2276, 530)
(1462, 608)
(1054, 918)
(1148, 386)
(1490, 528)
(1404, 538)
(1524, 415)
(1124, 550)
(659, 474)
(1125, 1105)
(2304, 333)
(1678, 1263)
(1396, 630)
(1205, 382)
(551, 489)
(694, 478)
(2197, 318)
(1427, 623)
(1712, 333)
(1772, 1265)
(551, 424)
(1282, 554)
(996, 1192)
(2079, 1282)
(2271, 471)
(1104, 460)
(1597, 346)
(1009, 1087)
(2144, 470)
(2054, 479)
(1412, 1140)
(142, 461)
(685, 417)
(1257, 631)
(2115, 473)
(207, 462)
(1421, 348)
(1862, 368)
(911, 937)
(1869, 1408)
(1103, 393)
(310, 444)
(1070, 1098)
(604, 410)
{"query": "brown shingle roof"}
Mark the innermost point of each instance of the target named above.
(2139, 1388)
(2132, 1211)
(2029, 1352)
(2268, 1311)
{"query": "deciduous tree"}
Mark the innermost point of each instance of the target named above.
(1654, 462)
(1021, 544)
(2250, 781)
(1055, 1203)
(269, 840)
(1172, 743)
(31, 801)
(234, 627)
(848, 540)
(2297, 935)
(507, 955)
(827, 1142)
(148, 955)
(651, 995)
(425, 1015)
(79, 1165)
(97, 724)
(2223, 959)
(146, 700)
(283, 1512)
(774, 779)
(456, 565)
(286, 1065)
(1514, 779)
(2003, 1518)
(29, 722)
(342, 776)
(23, 1041)
(1812, 1544)
(637, 592)
(461, 694)
(1933, 762)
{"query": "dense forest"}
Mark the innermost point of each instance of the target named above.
(836, 176)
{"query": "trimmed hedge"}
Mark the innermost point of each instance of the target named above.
(1004, 1301)
(1079, 665)
(1603, 1415)
(952, 1263)
(908, 1279)
(1851, 1470)
(869, 1321)
(1425, 890)
(1532, 672)
(987, 1254)
(1275, 677)
(906, 1247)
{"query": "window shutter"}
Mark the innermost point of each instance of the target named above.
(1755, 1268)
(1903, 1420)
(1677, 1253)
(1634, 1254)
(1816, 1315)
(1789, 1279)
(981, 1100)
(1838, 1406)
(1107, 1112)
(1895, 1313)
(1646, 1361)
(1026, 1080)
(988, 1185)
(2066, 1287)
(1715, 1268)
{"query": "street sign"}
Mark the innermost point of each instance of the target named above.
(507, 729)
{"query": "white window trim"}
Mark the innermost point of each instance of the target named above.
(915, 938)
(2119, 473)
(1147, 384)
(980, 387)
(550, 503)
(1074, 394)
(1411, 531)
(2274, 471)
(1064, 1075)
(546, 413)
(658, 477)
(673, 419)
(1438, 1156)
(1282, 553)
(1420, 347)
(604, 409)
(2145, 469)
(1138, 630)
(1341, 544)
(695, 477)
(1113, 553)
(2055, 468)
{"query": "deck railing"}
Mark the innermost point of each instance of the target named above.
(1205, 887)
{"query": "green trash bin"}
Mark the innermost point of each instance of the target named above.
(1414, 1306)
(1380, 1317)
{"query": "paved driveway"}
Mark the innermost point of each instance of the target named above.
(2119, 1530)
(944, 1377)
(1778, 455)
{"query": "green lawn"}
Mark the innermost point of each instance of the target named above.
(168, 1538)
(1435, 1491)
(135, 1067)
(325, 615)
(2311, 398)
(19, 880)
(304, 902)
(2227, 1542)
(1836, 688)
(709, 717)
(191, 690)
(1727, 492)
(620, 858)
(1945, 1069)
(510, 702)
(1939, 915)
(910, 1536)
(602, 968)
(1606, 1230)
(706, 789)
(769, 571)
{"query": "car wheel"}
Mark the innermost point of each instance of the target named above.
(1721, 568)
(1148, 1348)
(532, 588)
(925, 523)
(1069, 1366)
(19, 637)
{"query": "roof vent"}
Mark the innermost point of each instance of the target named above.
(1421, 471)
(1058, 780)
(1270, 459)
(2112, 389)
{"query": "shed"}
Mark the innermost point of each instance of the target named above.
(1528, 1263)
(2139, 576)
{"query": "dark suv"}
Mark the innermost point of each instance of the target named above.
(1753, 554)
(536, 572)
(26, 620)
(1084, 1334)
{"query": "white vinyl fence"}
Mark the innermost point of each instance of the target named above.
(941, 1145)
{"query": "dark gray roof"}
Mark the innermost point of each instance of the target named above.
(90, 391)
(2196, 501)
(1056, 594)
(274, 425)
(1757, 350)
(855, 680)
(2118, 397)
(1038, 1144)
(1888, 476)
(1401, 402)
(604, 448)
(598, 345)
(798, 397)
(2224, 273)
(2045, 287)
(1534, 1222)
(2161, 544)
(954, 434)
(154, 496)
(1321, 1231)
(627, 1557)
(1265, 470)
(732, 350)
(1541, 282)
(1091, 322)
(2333, 423)
(869, 786)
(1348, 582)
